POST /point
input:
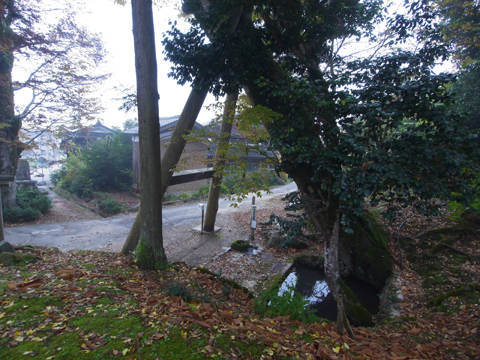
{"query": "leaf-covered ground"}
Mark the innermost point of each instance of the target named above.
(95, 305)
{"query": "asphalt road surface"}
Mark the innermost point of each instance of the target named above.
(112, 232)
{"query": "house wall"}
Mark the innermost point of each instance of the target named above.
(193, 157)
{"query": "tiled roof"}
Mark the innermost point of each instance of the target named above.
(166, 124)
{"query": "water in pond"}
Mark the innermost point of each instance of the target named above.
(311, 284)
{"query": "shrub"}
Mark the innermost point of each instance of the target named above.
(112, 206)
(18, 214)
(30, 205)
(273, 303)
(103, 166)
(34, 199)
(201, 193)
(237, 182)
(108, 163)
(81, 187)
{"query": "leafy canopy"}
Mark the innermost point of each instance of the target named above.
(376, 128)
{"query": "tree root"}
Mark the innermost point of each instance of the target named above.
(440, 246)
(342, 320)
(472, 287)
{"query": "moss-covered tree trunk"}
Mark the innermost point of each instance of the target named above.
(9, 124)
(220, 160)
(150, 251)
(170, 157)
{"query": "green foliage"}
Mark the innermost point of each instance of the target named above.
(240, 182)
(290, 228)
(459, 211)
(111, 206)
(35, 199)
(30, 204)
(368, 128)
(466, 93)
(18, 214)
(201, 193)
(460, 27)
(81, 187)
(176, 289)
(130, 123)
(108, 163)
(104, 166)
(271, 303)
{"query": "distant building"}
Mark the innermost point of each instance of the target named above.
(41, 145)
(197, 150)
(43, 153)
(83, 136)
(196, 155)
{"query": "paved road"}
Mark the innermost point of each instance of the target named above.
(112, 232)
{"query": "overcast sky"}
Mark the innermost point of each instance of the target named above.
(114, 23)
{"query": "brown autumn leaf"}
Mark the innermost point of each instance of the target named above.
(135, 289)
(415, 331)
(226, 315)
(25, 285)
(67, 274)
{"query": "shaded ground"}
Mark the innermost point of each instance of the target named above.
(87, 305)
(439, 306)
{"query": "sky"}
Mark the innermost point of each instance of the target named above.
(114, 23)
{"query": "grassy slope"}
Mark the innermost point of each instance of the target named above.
(93, 305)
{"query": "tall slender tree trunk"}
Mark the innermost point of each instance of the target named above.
(219, 165)
(150, 252)
(9, 124)
(170, 158)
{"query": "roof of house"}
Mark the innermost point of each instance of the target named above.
(167, 125)
(94, 131)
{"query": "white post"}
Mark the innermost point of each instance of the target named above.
(253, 222)
(202, 207)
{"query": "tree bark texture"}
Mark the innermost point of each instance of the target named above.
(170, 157)
(9, 124)
(150, 252)
(220, 159)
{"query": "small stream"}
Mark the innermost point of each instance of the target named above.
(310, 283)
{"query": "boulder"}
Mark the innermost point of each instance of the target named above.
(6, 247)
(23, 170)
(365, 254)
(8, 259)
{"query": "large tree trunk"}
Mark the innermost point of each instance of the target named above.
(219, 165)
(328, 220)
(150, 252)
(170, 157)
(9, 124)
